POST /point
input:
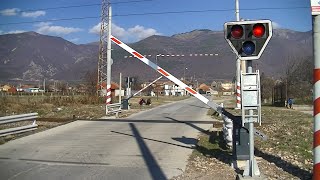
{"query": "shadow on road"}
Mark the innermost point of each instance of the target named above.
(218, 149)
(149, 139)
(190, 124)
(202, 107)
(286, 166)
(149, 121)
(186, 140)
(153, 166)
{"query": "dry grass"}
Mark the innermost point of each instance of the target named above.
(56, 111)
(68, 106)
(290, 135)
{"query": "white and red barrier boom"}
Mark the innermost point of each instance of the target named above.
(162, 71)
(211, 104)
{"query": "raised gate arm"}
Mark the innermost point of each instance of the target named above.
(163, 72)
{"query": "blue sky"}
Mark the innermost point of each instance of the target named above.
(132, 28)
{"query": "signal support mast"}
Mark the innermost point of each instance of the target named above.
(104, 62)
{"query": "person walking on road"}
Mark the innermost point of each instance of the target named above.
(290, 102)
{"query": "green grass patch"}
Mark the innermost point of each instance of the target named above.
(212, 145)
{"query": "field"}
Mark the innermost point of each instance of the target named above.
(58, 110)
(79, 106)
(287, 154)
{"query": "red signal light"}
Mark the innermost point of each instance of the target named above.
(258, 30)
(236, 31)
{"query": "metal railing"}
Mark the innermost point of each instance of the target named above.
(18, 118)
(113, 109)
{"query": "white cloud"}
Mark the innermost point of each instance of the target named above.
(47, 28)
(12, 32)
(33, 14)
(9, 12)
(275, 25)
(118, 31)
(130, 35)
(141, 33)
(95, 29)
(15, 32)
(42, 24)
(74, 40)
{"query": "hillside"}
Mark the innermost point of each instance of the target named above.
(32, 56)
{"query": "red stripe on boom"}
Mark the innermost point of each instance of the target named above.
(316, 139)
(316, 75)
(316, 107)
(138, 55)
(191, 90)
(163, 72)
(115, 40)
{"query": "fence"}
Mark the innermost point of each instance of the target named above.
(113, 109)
(18, 118)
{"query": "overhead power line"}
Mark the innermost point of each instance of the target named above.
(155, 13)
(208, 10)
(83, 5)
(51, 20)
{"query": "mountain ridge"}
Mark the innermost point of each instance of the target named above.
(33, 56)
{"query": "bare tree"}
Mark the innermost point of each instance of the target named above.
(267, 85)
(298, 77)
(136, 85)
(91, 80)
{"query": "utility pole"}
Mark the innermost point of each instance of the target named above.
(120, 88)
(316, 92)
(104, 63)
(128, 87)
(108, 98)
(157, 58)
(238, 72)
(44, 85)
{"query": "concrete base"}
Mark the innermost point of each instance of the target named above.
(108, 117)
(261, 177)
(239, 164)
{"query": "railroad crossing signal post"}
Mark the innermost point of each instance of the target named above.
(248, 39)
(166, 74)
(125, 102)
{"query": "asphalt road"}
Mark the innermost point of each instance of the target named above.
(154, 144)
